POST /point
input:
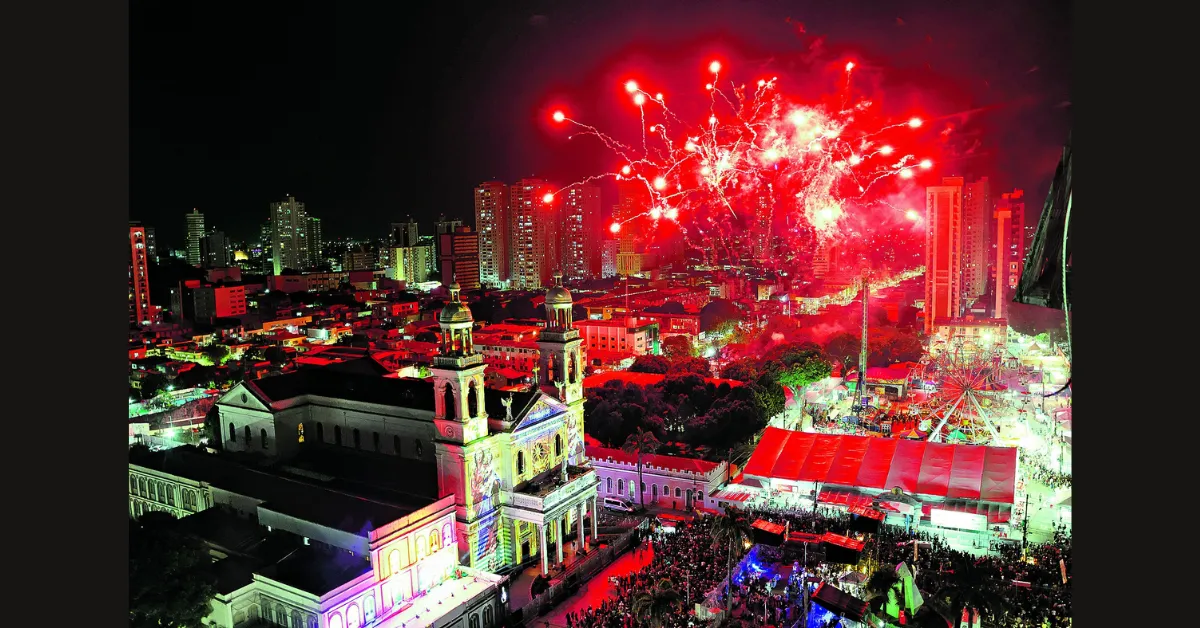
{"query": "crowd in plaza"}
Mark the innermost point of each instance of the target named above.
(1030, 590)
(687, 558)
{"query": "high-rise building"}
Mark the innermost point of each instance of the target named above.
(403, 233)
(359, 258)
(492, 223)
(1010, 248)
(532, 232)
(943, 251)
(316, 242)
(139, 276)
(409, 263)
(151, 245)
(289, 236)
(443, 225)
(214, 250)
(460, 258)
(264, 248)
(761, 234)
(825, 259)
(577, 202)
(633, 201)
(976, 221)
(195, 233)
(608, 258)
(594, 229)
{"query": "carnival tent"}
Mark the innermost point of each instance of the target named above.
(953, 471)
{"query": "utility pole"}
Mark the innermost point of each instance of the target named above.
(860, 389)
(1025, 525)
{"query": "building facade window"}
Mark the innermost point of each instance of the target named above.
(375, 440)
(520, 463)
(419, 448)
(300, 433)
(320, 432)
(263, 435)
(232, 433)
(396, 445)
(357, 439)
(337, 435)
(608, 486)
(248, 438)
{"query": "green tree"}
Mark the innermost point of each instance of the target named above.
(678, 347)
(651, 364)
(843, 346)
(640, 443)
(743, 370)
(698, 366)
(656, 604)
(171, 582)
(152, 383)
(730, 531)
(216, 353)
(803, 374)
(276, 356)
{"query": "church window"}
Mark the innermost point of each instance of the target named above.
(520, 463)
(232, 433)
(263, 435)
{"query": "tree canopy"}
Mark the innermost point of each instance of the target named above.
(677, 347)
(171, 581)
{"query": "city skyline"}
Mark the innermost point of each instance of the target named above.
(1009, 119)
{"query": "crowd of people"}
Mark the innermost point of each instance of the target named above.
(1030, 589)
(686, 557)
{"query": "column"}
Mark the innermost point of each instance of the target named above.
(516, 541)
(595, 518)
(582, 541)
(558, 545)
(542, 543)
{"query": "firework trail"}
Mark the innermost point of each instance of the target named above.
(758, 147)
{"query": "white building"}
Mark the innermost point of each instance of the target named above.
(667, 481)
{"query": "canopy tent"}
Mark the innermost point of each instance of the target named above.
(950, 470)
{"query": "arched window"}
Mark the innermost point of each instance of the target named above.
(300, 434)
(369, 609)
(419, 448)
(396, 445)
(142, 487)
(678, 493)
(375, 440)
(572, 365)
(297, 619)
(321, 433)
(520, 463)
(620, 486)
(472, 401)
(357, 439)
(488, 617)
(249, 440)
(435, 542)
(353, 616)
(474, 621)
(263, 435)
(448, 400)
(335, 621)
(666, 491)
(337, 434)
(281, 615)
(232, 433)
(557, 445)
(394, 565)
(132, 485)
(654, 491)
(608, 487)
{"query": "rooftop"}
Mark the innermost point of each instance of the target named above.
(317, 571)
(355, 380)
(673, 463)
(290, 496)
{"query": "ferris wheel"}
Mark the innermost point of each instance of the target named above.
(968, 403)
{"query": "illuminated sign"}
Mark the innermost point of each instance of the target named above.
(959, 520)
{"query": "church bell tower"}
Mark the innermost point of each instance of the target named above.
(560, 364)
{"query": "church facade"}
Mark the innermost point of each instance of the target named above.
(514, 462)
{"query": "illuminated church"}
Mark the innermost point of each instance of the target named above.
(513, 461)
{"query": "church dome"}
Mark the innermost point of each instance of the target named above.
(455, 311)
(558, 295)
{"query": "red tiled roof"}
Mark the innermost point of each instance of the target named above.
(674, 463)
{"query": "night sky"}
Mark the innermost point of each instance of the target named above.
(369, 116)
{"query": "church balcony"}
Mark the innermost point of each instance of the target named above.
(458, 361)
(551, 492)
(558, 334)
